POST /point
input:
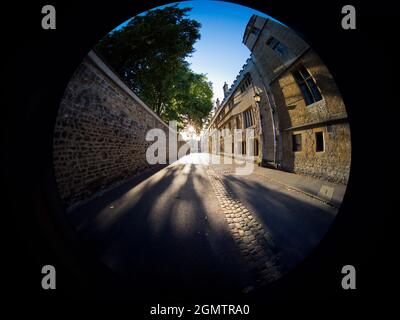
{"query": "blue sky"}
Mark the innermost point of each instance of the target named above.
(219, 53)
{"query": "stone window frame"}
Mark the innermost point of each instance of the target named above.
(277, 46)
(256, 147)
(315, 131)
(294, 133)
(249, 110)
(304, 81)
(238, 122)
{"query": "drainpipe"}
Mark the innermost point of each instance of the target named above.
(272, 111)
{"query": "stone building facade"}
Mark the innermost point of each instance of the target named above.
(314, 128)
(238, 110)
(100, 132)
(310, 119)
(301, 117)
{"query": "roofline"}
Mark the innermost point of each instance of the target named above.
(231, 91)
(247, 28)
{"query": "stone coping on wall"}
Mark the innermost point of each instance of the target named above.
(92, 55)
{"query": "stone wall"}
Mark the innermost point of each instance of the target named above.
(290, 102)
(295, 117)
(99, 137)
(268, 61)
(333, 164)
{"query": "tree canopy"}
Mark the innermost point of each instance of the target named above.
(149, 54)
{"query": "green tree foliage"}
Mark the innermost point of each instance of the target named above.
(149, 54)
(192, 98)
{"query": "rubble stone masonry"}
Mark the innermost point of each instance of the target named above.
(100, 132)
(327, 116)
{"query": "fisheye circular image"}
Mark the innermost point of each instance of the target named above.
(201, 148)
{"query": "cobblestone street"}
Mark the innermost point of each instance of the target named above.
(200, 158)
(198, 227)
(254, 242)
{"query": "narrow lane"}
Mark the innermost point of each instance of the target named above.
(196, 227)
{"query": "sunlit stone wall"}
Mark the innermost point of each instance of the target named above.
(328, 116)
(100, 131)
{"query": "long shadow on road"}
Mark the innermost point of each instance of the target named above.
(163, 236)
(296, 224)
